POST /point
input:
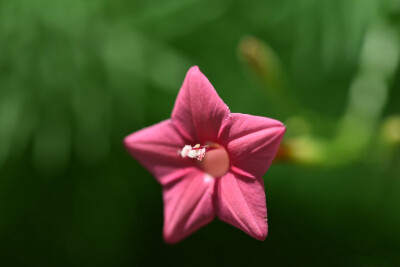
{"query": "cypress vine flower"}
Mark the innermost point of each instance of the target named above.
(208, 161)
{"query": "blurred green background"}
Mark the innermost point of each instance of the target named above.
(78, 76)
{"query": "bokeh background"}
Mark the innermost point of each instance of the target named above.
(77, 76)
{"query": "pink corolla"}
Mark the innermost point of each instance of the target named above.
(208, 161)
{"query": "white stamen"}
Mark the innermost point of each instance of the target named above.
(201, 153)
(185, 150)
(193, 152)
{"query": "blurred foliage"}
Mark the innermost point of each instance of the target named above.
(78, 76)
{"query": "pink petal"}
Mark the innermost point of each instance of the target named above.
(252, 143)
(156, 147)
(240, 201)
(199, 111)
(187, 205)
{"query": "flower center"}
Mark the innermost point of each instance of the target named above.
(212, 158)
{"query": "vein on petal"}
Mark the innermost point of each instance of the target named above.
(248, 207)
(252, 132)
(178, 220)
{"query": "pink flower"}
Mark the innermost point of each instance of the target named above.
(209, 161)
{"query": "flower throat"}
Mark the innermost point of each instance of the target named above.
(211, 158)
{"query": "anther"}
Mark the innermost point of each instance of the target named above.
(196, 151)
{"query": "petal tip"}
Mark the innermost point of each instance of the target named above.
(279, 124)
(170, 238)
(194, 74)
(194, 68)
(262, 238)
(169, 241)
(282, 129)
(262, 234)
(128, 140)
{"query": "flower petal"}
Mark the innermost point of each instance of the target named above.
(187, 205)
(156, 147)
(252, 143)
(240, 201)
(199, 112)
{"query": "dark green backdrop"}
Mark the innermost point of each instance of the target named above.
(77, 76)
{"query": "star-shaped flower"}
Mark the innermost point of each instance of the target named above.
(209, 161)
